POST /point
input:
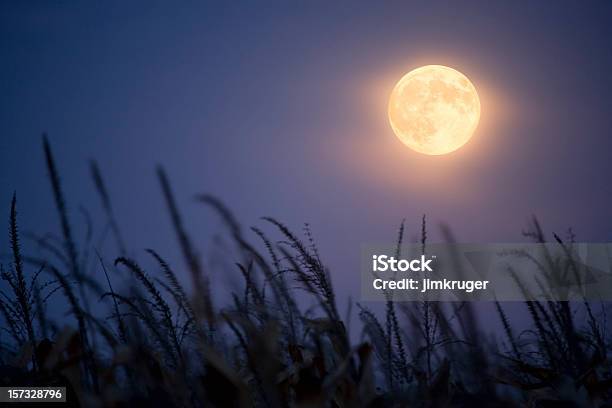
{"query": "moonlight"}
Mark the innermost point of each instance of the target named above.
(434, 109)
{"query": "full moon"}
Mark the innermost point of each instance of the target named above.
(434, 109)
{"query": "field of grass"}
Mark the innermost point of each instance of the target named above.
(155, 342)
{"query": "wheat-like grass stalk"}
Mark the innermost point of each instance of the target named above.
(200, 281)
(160, 303)
(79, 314)
(18, 281)
(60, 203)
(96, 175)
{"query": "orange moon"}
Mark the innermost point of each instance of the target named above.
(434, 109)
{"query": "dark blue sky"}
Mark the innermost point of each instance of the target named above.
(280, 109)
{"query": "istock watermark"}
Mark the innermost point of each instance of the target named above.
(504, 272)
(383, 263)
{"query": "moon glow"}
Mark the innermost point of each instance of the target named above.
(434, 109)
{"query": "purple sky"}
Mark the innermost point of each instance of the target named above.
(280, 110)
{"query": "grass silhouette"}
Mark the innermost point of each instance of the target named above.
(164, 345)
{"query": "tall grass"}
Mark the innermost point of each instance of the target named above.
(148, 340)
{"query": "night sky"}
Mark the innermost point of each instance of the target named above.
(280, 109)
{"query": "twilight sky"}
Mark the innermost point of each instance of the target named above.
(280, 109)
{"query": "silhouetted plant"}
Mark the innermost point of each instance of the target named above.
(165, 345)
